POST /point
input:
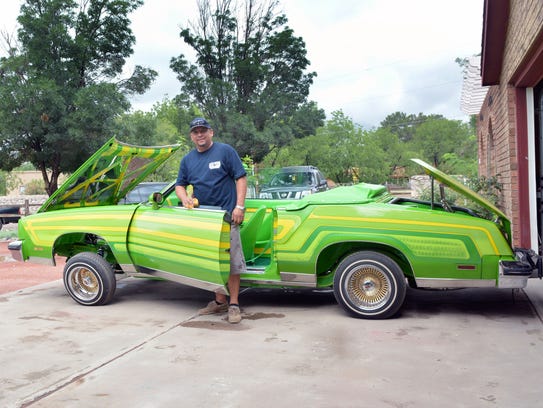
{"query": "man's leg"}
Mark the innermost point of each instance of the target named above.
(237, 267)
(221, 298)
(233, 288)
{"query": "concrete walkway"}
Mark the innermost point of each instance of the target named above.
(534, 291)
(462, 348)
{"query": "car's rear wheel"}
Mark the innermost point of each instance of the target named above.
(89, 279)
(369, 285)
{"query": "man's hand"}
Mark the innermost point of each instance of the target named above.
(187, 202)
(238, 215)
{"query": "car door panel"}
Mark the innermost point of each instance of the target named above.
(190, 243)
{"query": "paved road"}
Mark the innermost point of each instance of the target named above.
(463, 348)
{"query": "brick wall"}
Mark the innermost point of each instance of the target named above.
(497, 148)
(496, 125)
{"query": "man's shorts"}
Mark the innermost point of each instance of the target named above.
(237, 260)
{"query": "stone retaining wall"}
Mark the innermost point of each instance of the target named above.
(32, 201)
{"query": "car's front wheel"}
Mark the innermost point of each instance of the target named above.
(369, 285)
(89, 279)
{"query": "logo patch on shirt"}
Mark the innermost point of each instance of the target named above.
(214, 165)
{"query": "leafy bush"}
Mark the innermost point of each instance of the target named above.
(35, 187)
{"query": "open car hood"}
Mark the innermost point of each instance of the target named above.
(466, 192)
(108, 175)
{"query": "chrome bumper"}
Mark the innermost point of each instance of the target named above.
(515, 274)
(16, 249)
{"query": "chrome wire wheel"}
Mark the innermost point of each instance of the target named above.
(84, 282)
(89, 279)
(369, 285)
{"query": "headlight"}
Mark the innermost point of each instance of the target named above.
(267, 196)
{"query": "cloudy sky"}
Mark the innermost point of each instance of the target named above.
(372, 57)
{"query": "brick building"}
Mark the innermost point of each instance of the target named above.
(509, 123)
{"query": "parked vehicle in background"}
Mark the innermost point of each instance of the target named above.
(360, 241)
(294, 182)
(10, 214)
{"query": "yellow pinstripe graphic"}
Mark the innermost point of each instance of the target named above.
(285, 226)
(78, 205)
(408, 222)
(192, 223)
(74, 228)
(313, 247)
(75, 217)
(177, 237)
(186, 257)
(288, 224)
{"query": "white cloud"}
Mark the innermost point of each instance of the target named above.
(372, 57)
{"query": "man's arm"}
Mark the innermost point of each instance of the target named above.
(181, 192)
(241, 191)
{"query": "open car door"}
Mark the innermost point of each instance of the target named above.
(189, 246)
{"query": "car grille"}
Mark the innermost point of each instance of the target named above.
(283, 195)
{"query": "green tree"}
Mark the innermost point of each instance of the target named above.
(137, 128)
(394, 151)
(60, 85)
(3, 184)
(249, 77)
(166, 123)
(437, 139)
(404, 125)
(173, 121)
(343, 151)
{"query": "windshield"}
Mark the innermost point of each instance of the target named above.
(293, 179)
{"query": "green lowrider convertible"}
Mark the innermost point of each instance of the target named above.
(359, 240)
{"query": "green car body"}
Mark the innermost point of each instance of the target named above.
(359, 240)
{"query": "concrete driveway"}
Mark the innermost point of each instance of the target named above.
(462, 348)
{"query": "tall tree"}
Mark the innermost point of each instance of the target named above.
(340, 149)
(60, 85)
(404, 125)
(166, 123)
(249, 77)
(438, 137)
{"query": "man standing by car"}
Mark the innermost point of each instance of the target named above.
(218, 179)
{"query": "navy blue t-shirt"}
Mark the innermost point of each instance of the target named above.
(213, 175)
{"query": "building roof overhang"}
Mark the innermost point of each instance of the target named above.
(495, 17)
(473, 94)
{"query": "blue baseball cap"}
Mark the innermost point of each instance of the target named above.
(199, 122)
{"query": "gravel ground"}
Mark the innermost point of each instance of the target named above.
(16, 275)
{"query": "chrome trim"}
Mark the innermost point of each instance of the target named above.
(511, 281)
(128, 268)
(16, 249)
(212, 287)
(260, 282)
(42, 261)
(253, 270)
(278, 284)
(288, 279)
(444, 283)
(300, 278)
